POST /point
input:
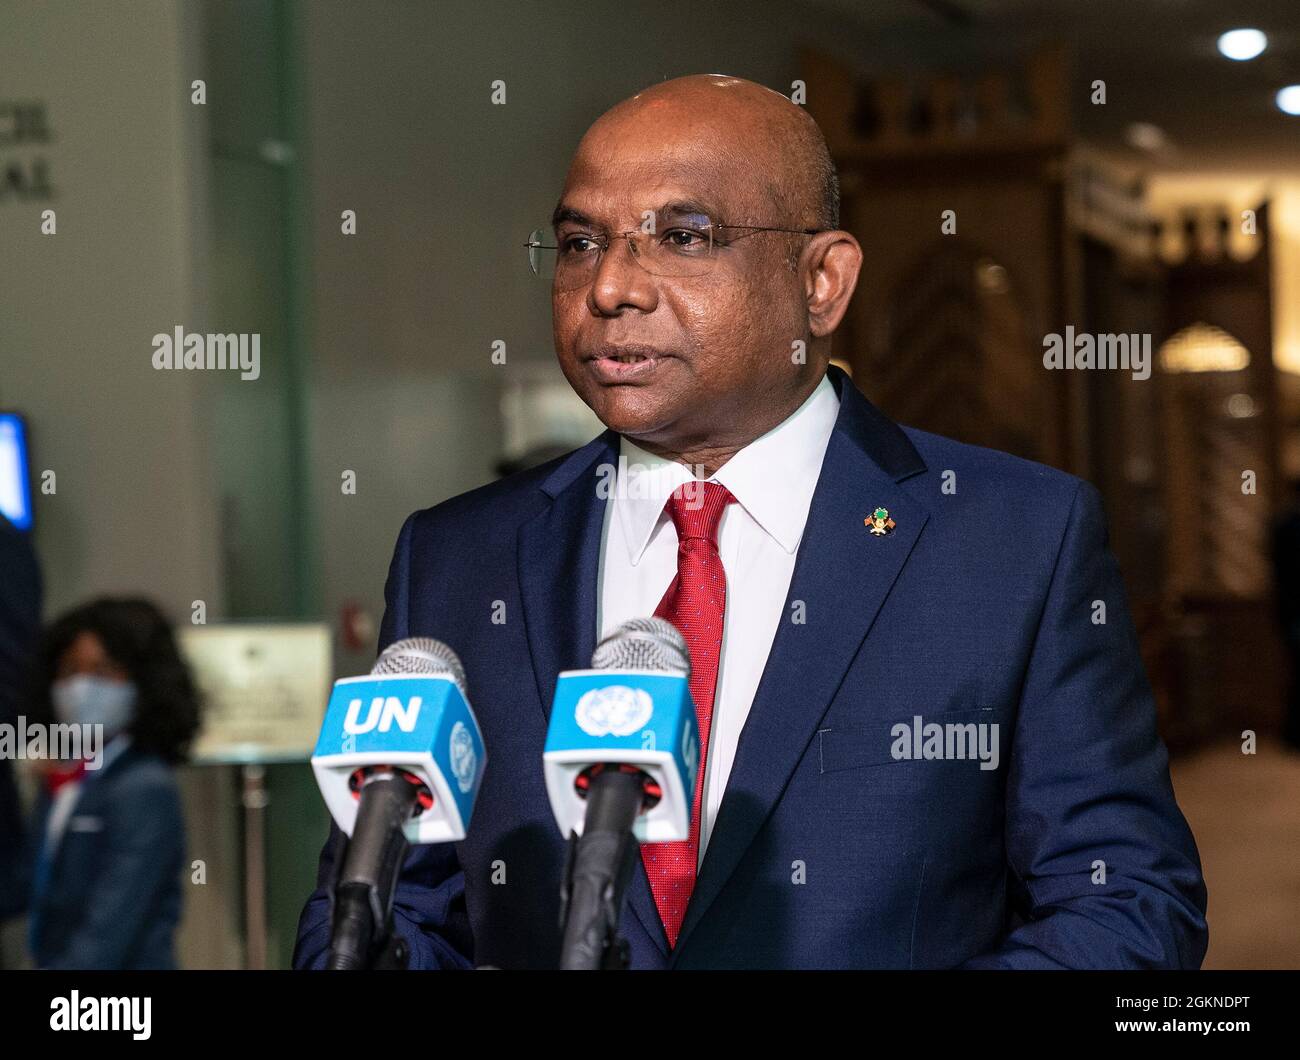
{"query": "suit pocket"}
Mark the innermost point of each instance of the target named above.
(894, 739)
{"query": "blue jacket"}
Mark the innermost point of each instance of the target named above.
(982, 604)
(111, 895)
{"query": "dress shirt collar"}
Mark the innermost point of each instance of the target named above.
(772, 478)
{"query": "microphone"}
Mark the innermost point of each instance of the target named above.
(622, 750)
(399, 760)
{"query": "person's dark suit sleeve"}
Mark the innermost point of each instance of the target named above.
(20, 627)
(429, 902)
(1088, 787)
(148, 830)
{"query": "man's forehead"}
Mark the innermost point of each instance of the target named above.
(610, 188)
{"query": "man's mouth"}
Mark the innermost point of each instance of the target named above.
(622, 364)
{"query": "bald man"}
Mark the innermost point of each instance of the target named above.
(927, 739)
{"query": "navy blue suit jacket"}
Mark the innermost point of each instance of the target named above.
(20, 630)
(113, 894)
(981, 605)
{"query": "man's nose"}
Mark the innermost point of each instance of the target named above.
(620, 281)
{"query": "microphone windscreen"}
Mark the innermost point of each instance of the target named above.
(643, 644)
(422, 657)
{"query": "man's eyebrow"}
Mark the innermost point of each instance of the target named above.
(680, 207)
(568, 213)
(676, 208)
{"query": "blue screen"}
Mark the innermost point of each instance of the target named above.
(15, 485)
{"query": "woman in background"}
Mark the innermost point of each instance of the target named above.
(109, 836)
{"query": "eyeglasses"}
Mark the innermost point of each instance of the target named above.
(571, 260)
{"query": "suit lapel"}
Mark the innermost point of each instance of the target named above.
(558, 555)
(843, 574)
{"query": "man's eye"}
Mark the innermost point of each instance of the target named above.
(685, 239)
(578, 245)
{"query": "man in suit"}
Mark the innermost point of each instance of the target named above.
(842, 583)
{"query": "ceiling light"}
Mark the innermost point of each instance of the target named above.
(1242, 44)
(1146, 137)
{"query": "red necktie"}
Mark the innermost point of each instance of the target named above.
(694, 603)
(57, 776)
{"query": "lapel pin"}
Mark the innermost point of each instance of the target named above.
(879, 522)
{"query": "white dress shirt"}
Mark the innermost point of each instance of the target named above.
(772, 479)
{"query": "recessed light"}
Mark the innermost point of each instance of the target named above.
(1242, 44)
(1288, 99)
(1146, 137)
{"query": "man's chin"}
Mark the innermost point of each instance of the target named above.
(631, 411)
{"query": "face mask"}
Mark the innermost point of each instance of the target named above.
(88, 700)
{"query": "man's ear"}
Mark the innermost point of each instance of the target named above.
(832, 261)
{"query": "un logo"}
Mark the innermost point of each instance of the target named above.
(463, 759)
(613, 711)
